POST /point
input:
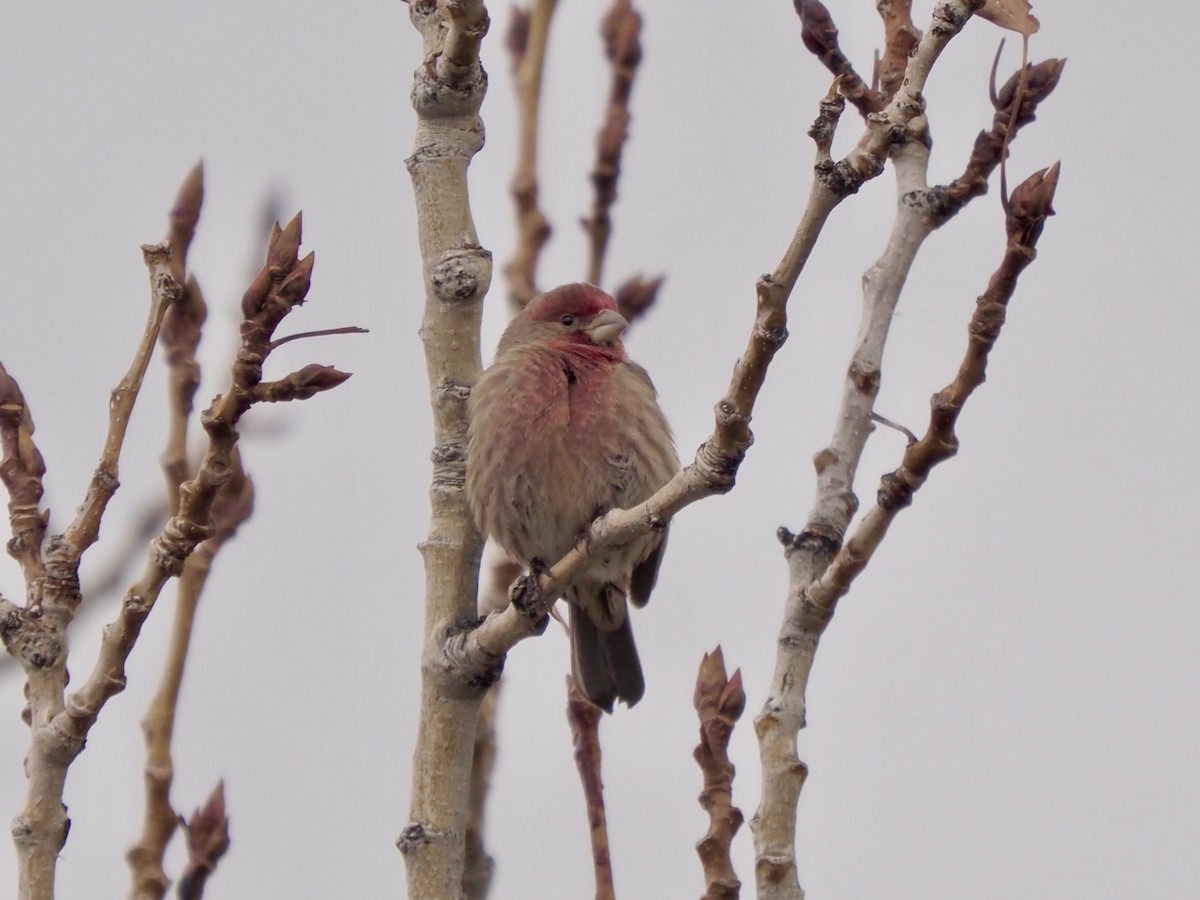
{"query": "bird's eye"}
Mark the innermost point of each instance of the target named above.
(568, 320)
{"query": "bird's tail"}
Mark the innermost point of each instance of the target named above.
(604, 663)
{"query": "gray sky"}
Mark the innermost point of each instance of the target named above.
(1004, 705)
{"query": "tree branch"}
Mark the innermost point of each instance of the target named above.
(621, 29)
(475, 653)
(59, 727)
(36, 635)
(527, 41)
(1031, 204)
(584, 718)
(179, 337)
(719, 702)
(820, 37)
(457, 272)
(83, 532)
(898, 131)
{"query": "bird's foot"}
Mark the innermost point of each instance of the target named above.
(525, 594)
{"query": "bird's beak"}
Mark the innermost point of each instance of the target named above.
(606, 327)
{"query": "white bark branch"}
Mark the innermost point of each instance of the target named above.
(448, 89)
(897, 131)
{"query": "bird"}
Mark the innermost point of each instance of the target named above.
(563, 427)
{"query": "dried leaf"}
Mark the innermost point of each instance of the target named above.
(1015, 15)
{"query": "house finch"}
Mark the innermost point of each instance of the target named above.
(563, 428)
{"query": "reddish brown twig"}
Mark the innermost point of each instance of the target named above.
(477, 872)
(232, 507)
(584, 718)
(527, 37)
(479, 867)
(179, 338)
(22, 470)
(36, 637)
(1040, 81)
(621, 29)
(719, 701)
(1030, 205)
(900, 36)
(208, 839)
(180, 332)
(820, 37)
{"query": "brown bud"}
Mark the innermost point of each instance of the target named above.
(186, 211)
(819, 34)
(621, 29)
(208, 830)
(1030, 204)
(636, 295)
(295, 286)
(1040, 81)
(313, 378)
(285, 244)
(733, 697)
(256, 294)
(710, 680)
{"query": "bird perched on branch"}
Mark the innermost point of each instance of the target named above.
(563, 427)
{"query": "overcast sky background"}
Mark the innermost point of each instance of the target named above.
(1005, 705)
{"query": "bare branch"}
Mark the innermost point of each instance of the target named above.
(719, 701)
(36, 635)
(900, 37)
(584, 718)
(165, 290)
(233, 506)
(457, 274)
(22, 470)
(820, 37)
(782, 716)
(279, 288)
(479, 867)
(475, 655)
(180, 337)
(60, 726)
(1031, 204)
(621, 29)
(527, 41)
(181, 222)
(1040, 81)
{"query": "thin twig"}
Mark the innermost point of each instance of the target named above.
(621, 29)
(820, 37)
(527, 42)
(782, 715)
(84, 530)
(1031, 204)
(900, 36)
(22, 470)
(1010, 117)
(474, 654)
(320, 332)
(719, 701)
(180, 337)
(36, 635)
(479, 868)
(584, 718)
(60, 725)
